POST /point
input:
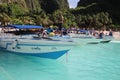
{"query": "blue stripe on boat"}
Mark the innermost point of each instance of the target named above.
(50, 55)
(43, 45)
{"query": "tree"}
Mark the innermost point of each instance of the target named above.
(5, 19)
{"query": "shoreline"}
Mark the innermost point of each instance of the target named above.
(116, 35)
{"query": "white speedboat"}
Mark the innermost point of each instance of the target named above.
(89, 39)
(36, 47)
(40, 47)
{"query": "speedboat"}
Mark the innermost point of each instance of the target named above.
(89, 39)
(36, 47)
(40, 47)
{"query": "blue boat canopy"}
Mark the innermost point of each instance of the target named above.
(25, 26)
(84, 31)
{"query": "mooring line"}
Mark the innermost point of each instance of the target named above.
(6, 73)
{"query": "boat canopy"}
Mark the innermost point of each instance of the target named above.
(25, 26)
(83, 31)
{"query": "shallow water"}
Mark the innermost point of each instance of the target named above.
(83, 62)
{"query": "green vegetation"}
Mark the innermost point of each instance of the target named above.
(111, 7)
(46, 13)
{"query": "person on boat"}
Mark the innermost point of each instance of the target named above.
(57, 33)
(64, 32)
(49, 29)
(42, 33)
(3, 30)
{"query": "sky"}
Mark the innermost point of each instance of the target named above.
(73, 3)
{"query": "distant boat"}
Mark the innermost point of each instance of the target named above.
(89, 39)
(81, 36)
(102, 41)
(105, 41)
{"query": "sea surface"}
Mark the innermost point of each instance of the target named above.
(83, 62)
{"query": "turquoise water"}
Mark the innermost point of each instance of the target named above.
(83, 62)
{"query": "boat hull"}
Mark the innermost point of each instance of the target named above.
(39, 48)
(90, 41)
(50, 55)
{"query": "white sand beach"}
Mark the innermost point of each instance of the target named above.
(116, 35)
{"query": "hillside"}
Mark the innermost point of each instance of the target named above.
(35, 6)
(110, 6)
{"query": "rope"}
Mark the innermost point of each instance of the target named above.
(6, 73)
